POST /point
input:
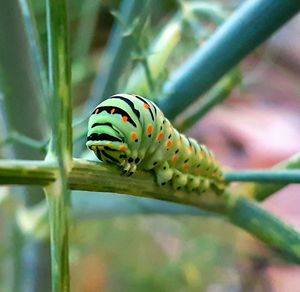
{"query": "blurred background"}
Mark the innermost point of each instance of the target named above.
(121, 243)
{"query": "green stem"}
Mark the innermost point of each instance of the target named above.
(118, 51)
(33, 172)
(22, 86)
(27, 172)
(59, 89)
(161, 49)
(265, 176)
(17, 250)
(215, 96)
(36, 52)
(113, 61)
(249, 216)
(58, 238)
(59, 80)
(87, 176)
(149, 77)
(20, 80)
(247, 28)
(145, 64)
(16, 137)
(260, 190)
(88, 13)
(134, 33)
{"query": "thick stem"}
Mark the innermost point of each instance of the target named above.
(93, 176)
(206, 103)
(251, 217)
(247, 28)
(27, 172)
(58, 221)
(61, 147)
(87, 176)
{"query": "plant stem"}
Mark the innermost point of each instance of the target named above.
(113, 61)
(252, 218)
(20, 81)
(160, 51)
(16, 137)
(59, 80)
(17, 250)
(118, 51)
(61, 147)
(27, 172)
(36, 52)
(247, 28)
(58, 221)
(88, 13)
(213, 97)
(149, 78)
(85, 175)
(94, 176)
(22, 86)
(261, 191)
(265, 176)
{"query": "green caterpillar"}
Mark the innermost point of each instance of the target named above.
(132, 132)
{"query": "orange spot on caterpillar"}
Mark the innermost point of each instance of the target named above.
(190, 149)
(125, 119)
(169, 143)
(146, 106)
(97, 111)
(112, 110)
(150, 129)
(134, 137)
(160, 136)
(174, 158)
(123, 148)
(186, 166)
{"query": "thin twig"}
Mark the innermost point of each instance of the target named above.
(265, 176)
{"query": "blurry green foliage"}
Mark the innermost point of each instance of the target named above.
(145, 252)
(159, 253)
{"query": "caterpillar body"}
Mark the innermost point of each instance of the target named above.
(133, 133)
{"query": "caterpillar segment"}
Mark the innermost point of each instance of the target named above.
(132, 132)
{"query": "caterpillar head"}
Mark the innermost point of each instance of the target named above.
(105, 139)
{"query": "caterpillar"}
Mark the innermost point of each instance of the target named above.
(133, 133)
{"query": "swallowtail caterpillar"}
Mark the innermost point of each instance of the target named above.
(133, 133)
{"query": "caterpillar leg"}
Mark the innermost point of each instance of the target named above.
(218, 188)
(163, 173)
(204, 185)
(179, 180)
(193, 183)
(128, 168)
